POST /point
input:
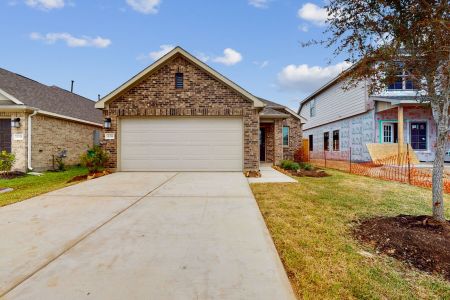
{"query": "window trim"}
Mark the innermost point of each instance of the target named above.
(288, 138)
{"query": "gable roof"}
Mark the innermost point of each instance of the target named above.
(27, 92)
(178, 50)
(274, 109)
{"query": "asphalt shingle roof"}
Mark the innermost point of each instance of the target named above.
(49, 98)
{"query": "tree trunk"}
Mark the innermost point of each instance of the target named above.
(440, 114)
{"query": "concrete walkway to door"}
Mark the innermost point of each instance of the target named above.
(141, 236)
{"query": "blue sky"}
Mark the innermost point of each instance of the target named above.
(102, 43)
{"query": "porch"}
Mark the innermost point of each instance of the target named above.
(405, 123)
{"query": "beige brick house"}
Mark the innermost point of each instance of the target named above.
(38, 122)
(181, 115)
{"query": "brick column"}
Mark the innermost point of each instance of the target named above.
(278, 141)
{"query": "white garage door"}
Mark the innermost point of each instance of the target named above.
(181, 144)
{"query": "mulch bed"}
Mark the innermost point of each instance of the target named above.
(88, 177)
(315, 172)
(12, 175)
(417, 240)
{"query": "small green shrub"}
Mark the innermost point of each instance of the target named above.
(306, 166)
(95, 159)
(7, 161)
(289, 165)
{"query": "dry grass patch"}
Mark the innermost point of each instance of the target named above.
(311, 223)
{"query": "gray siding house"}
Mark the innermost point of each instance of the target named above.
(338, 119)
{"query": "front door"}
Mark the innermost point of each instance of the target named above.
(5, 135)
(262, 144)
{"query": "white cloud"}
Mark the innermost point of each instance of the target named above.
(259, 3)
(155, 55)
(261, 64)
(145, 6)
(313, 13)
(45, 4)
(307, 79)
(230, 57)
(70, 40)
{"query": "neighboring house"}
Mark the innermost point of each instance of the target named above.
(180, 115)
(38, 122)
(339, 119)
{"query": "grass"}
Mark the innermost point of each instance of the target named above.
(311, 223)
(30, 186)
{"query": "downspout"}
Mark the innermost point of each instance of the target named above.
(29, 139)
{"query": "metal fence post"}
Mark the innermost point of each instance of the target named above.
(409, 164)
(350, 159)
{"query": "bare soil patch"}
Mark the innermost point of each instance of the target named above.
(11, 175)
(417, 240)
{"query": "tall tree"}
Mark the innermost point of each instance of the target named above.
(379, 36)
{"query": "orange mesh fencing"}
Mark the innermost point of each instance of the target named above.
(393, 168)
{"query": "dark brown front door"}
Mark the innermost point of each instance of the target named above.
(5, 135)
(262, 144)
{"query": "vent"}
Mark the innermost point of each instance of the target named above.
(179, 80)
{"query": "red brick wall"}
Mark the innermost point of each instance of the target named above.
(202, 95)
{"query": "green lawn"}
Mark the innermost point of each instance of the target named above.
(311, 223)
(30, 186)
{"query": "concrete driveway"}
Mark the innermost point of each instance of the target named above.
(141, 236)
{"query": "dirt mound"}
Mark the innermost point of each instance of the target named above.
(417, 240)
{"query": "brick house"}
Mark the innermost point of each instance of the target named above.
(38, 122)
(181, 115)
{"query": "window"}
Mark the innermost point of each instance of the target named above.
(390, 133)
(402, 81)
(179, 80)
(312, 108)
(336, 140)
(326, 141)
(419, 136)
(311, 142)
(96, 137)
(285, 136)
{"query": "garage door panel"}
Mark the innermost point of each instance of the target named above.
(182, 144)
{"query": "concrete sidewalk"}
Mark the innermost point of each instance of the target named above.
(270, 175)
(142, 236)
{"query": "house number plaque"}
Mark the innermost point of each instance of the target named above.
(110, 136)
(18, 136)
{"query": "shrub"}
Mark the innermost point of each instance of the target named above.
(95, 159)
(306, 166)
(59, 159)
(289, 165)
(6, 161)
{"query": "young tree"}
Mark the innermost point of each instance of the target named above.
(379, 36)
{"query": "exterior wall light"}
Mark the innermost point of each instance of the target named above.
(15, 123)
(107, 123)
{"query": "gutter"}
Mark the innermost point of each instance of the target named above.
(29, 139)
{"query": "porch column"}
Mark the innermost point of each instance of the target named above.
(278, 141)
(401, 136)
